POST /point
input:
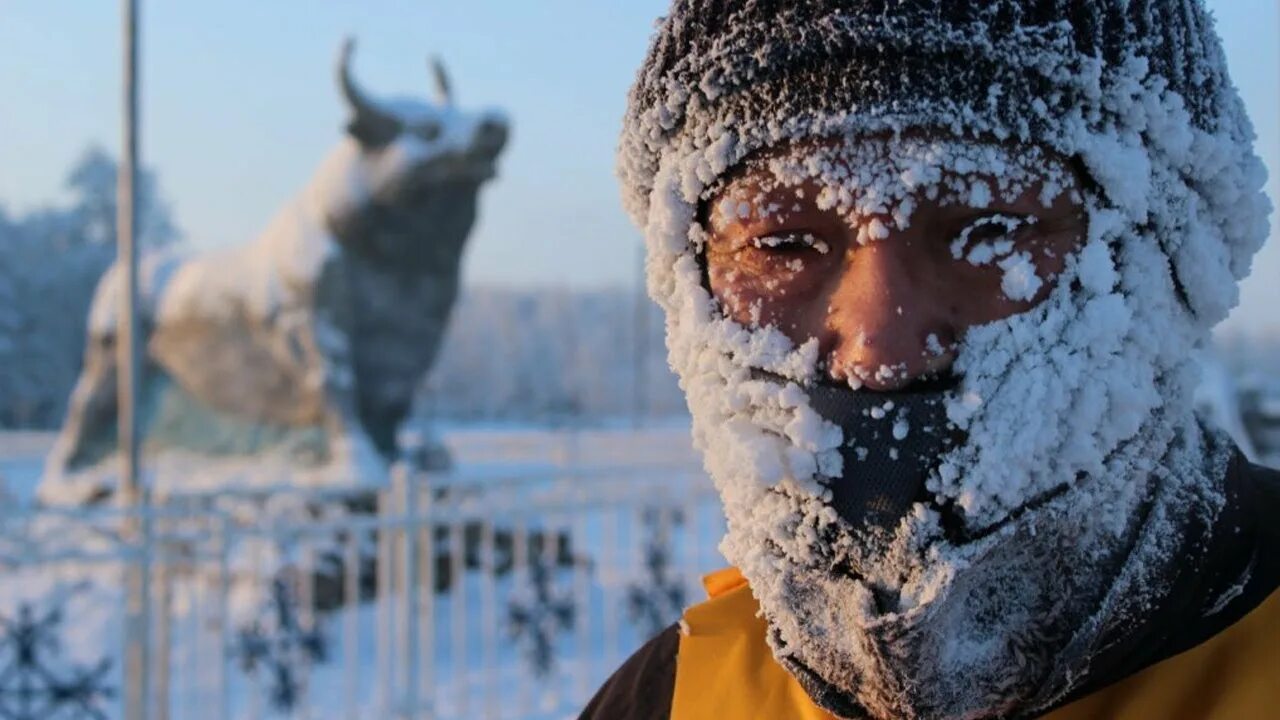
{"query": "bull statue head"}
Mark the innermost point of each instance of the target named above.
(408, 170)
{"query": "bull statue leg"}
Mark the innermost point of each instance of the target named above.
(352, 450)
(89, 433)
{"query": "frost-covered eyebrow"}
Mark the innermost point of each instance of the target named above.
(747, 197)
(745, 203)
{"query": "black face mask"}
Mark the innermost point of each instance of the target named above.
(893, 442)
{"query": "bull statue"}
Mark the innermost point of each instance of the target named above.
(294, 359)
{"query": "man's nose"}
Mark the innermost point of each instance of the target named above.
(889, 322)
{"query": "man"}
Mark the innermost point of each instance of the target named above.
(935, 275)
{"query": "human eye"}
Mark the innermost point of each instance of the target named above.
(990, 236)
(790, 243)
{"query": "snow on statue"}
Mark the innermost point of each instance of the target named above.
(294, 359)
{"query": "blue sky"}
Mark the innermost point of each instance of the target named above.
(240, 105)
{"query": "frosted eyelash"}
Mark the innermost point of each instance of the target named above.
(782, 240)
(1011, 224)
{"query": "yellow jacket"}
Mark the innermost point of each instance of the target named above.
(724, 669)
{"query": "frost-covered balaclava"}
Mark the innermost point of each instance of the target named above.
(1083, 477)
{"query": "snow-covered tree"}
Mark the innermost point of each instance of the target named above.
(92, 182)
(554, 355)
(50, 262)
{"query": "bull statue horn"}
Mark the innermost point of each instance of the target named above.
(444, 89)
(369, 123)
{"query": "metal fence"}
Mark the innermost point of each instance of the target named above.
(446, 595)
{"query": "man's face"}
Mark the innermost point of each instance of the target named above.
(888, 293)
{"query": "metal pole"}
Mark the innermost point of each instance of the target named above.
(127, 346)
(163, 583)
(222, 658)
(351, 557)
(406, 479)
(137, 642)
(384, 656)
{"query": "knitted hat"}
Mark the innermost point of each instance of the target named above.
(747, 73)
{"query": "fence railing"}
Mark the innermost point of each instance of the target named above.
(446, 595)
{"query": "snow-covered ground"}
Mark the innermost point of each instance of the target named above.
(618, 495)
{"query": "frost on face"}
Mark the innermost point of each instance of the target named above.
(1080, 387)
(1020, 281)
(1069, 409)
(876, 183)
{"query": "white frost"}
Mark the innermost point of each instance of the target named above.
(1020, 280)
